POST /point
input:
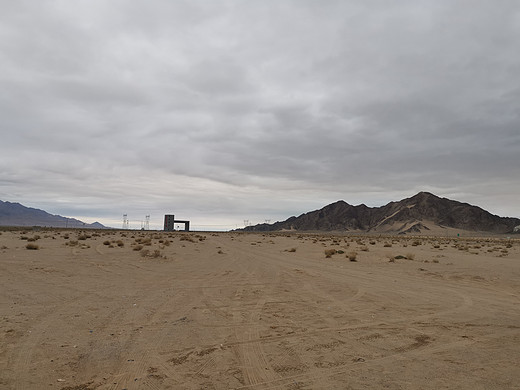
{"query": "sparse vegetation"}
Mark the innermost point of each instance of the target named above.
(352, 256)
(330, 252)
(32, 247)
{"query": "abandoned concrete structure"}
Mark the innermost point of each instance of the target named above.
(170, 221)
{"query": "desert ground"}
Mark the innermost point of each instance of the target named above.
(175, 310)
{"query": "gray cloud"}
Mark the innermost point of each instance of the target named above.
(232, 110)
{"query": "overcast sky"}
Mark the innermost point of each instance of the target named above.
(223, 111)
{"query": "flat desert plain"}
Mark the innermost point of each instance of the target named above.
(157, 310)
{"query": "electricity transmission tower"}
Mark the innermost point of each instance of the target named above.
(147, 222)
(125, 221)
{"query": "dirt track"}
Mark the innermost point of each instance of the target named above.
(242, 311)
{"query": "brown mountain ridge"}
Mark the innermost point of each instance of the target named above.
(418, 214)
(16, 214)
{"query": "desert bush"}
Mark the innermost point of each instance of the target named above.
(120, 243)
(138, 247)
(106, 242)
(387, 245)
(352, 256)
(398, 257)
(82, 237)
(330, 252)
(144, 252)
(24, 238)
(364, 249)
(156, 253)
(72, 243)
(291, 250)
(32, 246)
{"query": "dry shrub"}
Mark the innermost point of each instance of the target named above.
(291, 250)
(387, 245)
(364, 249)
(72, 243)
(352, 256)
(106, 242)
(330, 252)
(32, 247)
(138, 247)
(120, 243)
(145, 252)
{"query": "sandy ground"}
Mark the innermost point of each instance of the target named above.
(254, 311)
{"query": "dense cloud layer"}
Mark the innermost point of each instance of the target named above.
(229, 110)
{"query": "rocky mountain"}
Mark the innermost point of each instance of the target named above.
(417, 214)
(15, 214)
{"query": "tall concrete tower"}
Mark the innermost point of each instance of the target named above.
(169, 221)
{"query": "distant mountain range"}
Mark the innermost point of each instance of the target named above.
(15, 214)
(418, 214)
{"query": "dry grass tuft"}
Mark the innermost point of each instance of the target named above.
(352, 256)
(32, 247)
(330, 252)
